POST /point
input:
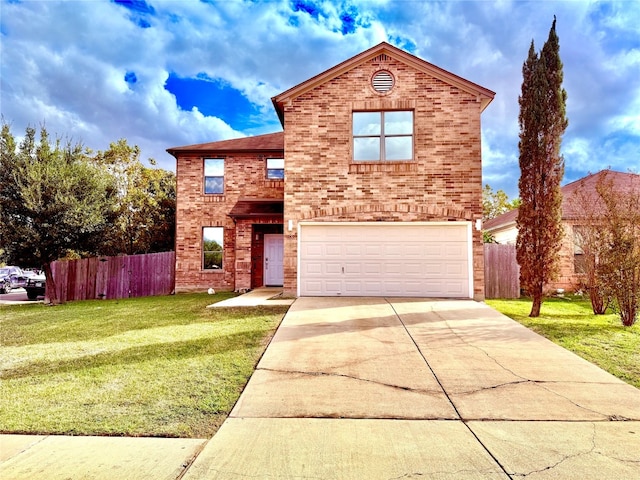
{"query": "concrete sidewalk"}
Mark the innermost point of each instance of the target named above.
(374, 388)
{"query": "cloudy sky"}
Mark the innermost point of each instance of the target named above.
(165, 73)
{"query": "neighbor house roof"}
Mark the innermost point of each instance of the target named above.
(484, 94)
(621, 182)
(269, 143)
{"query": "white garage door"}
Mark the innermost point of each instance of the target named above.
(385, 259)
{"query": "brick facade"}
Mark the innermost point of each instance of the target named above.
(245, 177)
(443, 182)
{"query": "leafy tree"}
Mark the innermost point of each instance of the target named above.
(145, 203)
(496, 203)
(609, 229)
(542, 122)
(53, 199)
(587, 234)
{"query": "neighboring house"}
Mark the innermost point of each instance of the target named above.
(373, 189)
(504, 230)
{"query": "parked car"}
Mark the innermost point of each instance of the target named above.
(13, 277)
(35, 286)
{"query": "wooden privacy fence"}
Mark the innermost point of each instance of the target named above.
(501, 271)
(115, 277)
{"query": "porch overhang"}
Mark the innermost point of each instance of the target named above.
(257, 208)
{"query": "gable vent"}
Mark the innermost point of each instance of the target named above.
(382, 82)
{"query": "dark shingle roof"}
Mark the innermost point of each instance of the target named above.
(271, 142)
(254, 207)
(621, 182)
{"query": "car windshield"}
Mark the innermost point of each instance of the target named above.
(4, 271)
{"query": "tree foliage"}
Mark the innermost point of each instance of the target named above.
(53, 198)
(542, 121)
(496, 203)
(609, 235)
(145, 203)
(63, 201)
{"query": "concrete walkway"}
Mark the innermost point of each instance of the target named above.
(380, 389)
(260, 296)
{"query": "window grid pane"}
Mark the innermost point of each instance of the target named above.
(366, 123)
(275, 168)
(214, 175)
(383, 136)
(366, 148)
(212, 248)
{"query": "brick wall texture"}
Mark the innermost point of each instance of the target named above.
(245, 177)
(443, 183)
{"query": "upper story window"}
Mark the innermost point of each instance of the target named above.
(275, 168)
(382, 136)
(214, 175)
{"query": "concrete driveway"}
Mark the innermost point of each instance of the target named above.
(354, 388)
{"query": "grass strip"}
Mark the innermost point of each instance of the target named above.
(570, 322)
(155, 366)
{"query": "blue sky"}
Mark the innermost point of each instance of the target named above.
(165, 73)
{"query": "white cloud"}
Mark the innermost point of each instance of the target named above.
(64, 63)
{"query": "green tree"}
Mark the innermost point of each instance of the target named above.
(542, 121)
(608, 219)
(496, 203)
(145, 203)
(53, 199)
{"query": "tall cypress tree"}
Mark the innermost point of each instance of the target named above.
(542, 122)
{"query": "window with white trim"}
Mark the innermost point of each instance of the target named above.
(382, 136)
(275, 168)
(214, 175)
(212, 248)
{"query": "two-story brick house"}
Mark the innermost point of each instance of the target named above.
(373, 189)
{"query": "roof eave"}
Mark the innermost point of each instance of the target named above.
(225, 151)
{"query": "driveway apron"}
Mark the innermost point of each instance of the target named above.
(353, 388)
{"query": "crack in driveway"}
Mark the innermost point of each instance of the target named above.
(523, 380)
(343, 375)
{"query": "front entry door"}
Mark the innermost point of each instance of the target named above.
(273, 253)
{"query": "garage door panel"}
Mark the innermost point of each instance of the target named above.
(333, 287)
(353, 250)
(313, 268)
(371, 268)
(333, 250)
(373, 250)
(332, 268)
(384, 260)
(353, 268)
(314, 250)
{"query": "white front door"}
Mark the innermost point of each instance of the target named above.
(273, 253)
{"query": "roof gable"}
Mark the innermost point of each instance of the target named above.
(271, 142)
(485, 95)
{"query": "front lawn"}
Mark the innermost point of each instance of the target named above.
(570, 322)
(155, 366)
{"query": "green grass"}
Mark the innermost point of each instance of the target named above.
(570, 322)
(155, 366)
